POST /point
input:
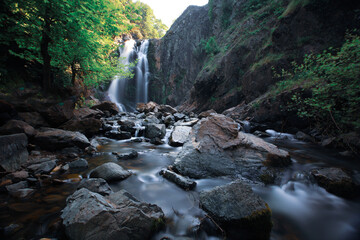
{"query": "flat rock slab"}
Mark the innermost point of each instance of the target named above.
(110, 172)
(336, 181)
(179, 136)
(56, 139)
(13, 151)
(236, 206)
(43, 168)
(90, 216)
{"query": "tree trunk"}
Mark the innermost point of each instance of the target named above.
(44, 47)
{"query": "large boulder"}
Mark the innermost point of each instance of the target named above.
(34, 119)
(155, 131)
(97, 185)
(110, 172)
(82, 113)
(215, 147)
(87, 126)
(107, 106)
(336, 181)
(55, 139)
(17, 126)
(13, 151)
(91, 216)
(167, 109)
(238, 210)
(59, 113)
(179, 136)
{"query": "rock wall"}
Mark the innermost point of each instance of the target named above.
(251, 41)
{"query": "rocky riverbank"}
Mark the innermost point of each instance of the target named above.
(44, 149)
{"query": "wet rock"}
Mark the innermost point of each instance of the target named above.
(127, 125)
(179, 180)
(167, 109)
(97, 185)
(137, 139)
(152, 119)
(238, 210)
(179, 116)
(328, 142)
(304, 137)
(22, 193)
(156, 141)
(13, 151)
(155, 131)
(87, 126)
(107, 106)
(17, 126)
(336, 181)
(189, 123)
(17, 186)
(131, 155)
(118, 135)
(79, 164)
(55, 139)
(216, 148)
(18, 176)
(43, 168)
(206, 113)
(98, 141)
(169, 120)
(110, 172)
(261, 134)
(146, 108)
(83, 113)
(115, 217)
(179, 136)
(59, 113)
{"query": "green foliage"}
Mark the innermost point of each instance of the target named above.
(148, 24)
(211, 47)
(211, 10)
(333, 77)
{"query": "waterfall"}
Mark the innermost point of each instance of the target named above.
(119, 91)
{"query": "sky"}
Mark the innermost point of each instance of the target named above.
(170, 10)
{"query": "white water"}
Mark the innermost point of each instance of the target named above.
(118, 86)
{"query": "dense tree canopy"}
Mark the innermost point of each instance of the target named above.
(73, 36)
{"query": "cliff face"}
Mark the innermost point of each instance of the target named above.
(174, 63)
(252, 38)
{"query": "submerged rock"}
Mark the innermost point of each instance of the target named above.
(110, 172)
(90, 216)
(179, 136)
(336, 181)
(216, 148)
(55, 139)
(13, 151)
(238, 210)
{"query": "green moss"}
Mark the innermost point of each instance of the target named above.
(293, 5)
(270, 58)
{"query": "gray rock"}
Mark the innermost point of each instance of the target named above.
(155, 131)
(56, 139)
(91, 216)
(22, 193)
(187, 123)
(336, 181)
(79, 164)
(169, 120)
(216, 148)
(179, 116)
(13, 151)
(179, 136)
(179, 180)
(43, 168)
(110, 172)
(17, 186)
(235, 207)
(97, 185)
(152, 119)
(118, 135)
(304, 137)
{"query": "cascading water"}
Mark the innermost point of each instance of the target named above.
(142, 73)
(121, 90)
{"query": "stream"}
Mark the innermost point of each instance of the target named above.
(300, 208)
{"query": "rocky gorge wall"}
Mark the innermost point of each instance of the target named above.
(252, 38)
